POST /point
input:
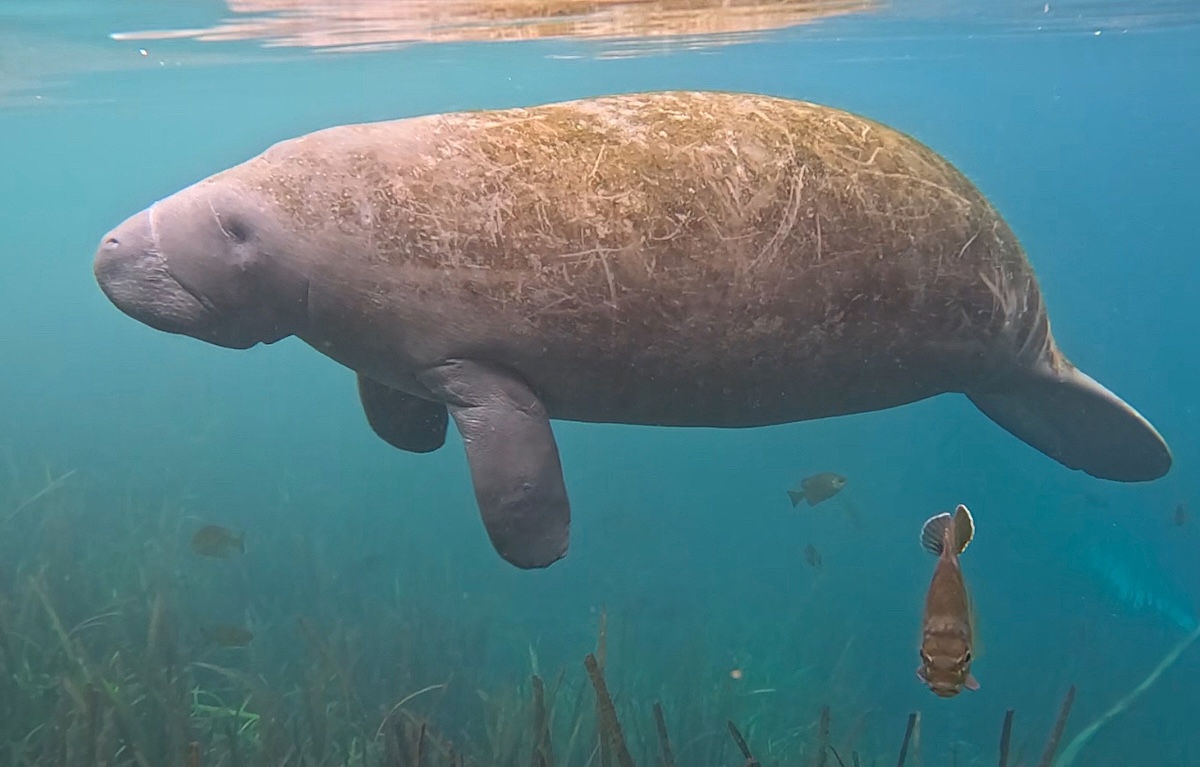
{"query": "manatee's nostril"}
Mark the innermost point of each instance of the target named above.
(111, 242)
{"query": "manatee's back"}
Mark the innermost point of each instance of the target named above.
(656, 241)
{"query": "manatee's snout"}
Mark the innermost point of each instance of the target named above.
(204, 263)
(132, 272)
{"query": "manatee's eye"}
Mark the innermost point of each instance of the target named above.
(237, 230)
(925, 657)
(234, 228)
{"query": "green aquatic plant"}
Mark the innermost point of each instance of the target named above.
(102, 660)
(1071, 752)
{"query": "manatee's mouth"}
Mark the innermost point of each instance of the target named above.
(132, 272)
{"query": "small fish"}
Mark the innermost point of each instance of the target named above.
(1181, 515)
(227, 635)
(217, 541)
(948, 625)
(812, 556)
(817, 488)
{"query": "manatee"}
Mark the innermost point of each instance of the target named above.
(687, 259)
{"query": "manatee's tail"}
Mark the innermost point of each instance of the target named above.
(1073, 419)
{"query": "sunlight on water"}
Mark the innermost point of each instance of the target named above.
(376, 24)
(44, 44)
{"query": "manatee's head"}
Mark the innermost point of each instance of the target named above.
(207, 262)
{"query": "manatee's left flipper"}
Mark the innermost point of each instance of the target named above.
(1073, 419)
(513, 457)
(403, 421)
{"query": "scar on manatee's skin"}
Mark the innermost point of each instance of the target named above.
(221, 225)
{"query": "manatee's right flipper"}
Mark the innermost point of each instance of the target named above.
(1079, 423)
(513, 458)
(403, 421)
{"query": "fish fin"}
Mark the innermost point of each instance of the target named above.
(921, 675)
(964, 528)
(796, 497)
(934, 531)
(971, 683)
(1064, 413)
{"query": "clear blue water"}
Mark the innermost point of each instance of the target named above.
(1080, 124)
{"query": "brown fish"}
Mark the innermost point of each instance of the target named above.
(817, 488)
(1181, 515)
(217, 541)
(948, 626)
(228, 636)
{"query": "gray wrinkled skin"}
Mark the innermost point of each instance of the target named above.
(680, 258)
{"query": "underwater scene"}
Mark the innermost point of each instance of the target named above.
(670, 383)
